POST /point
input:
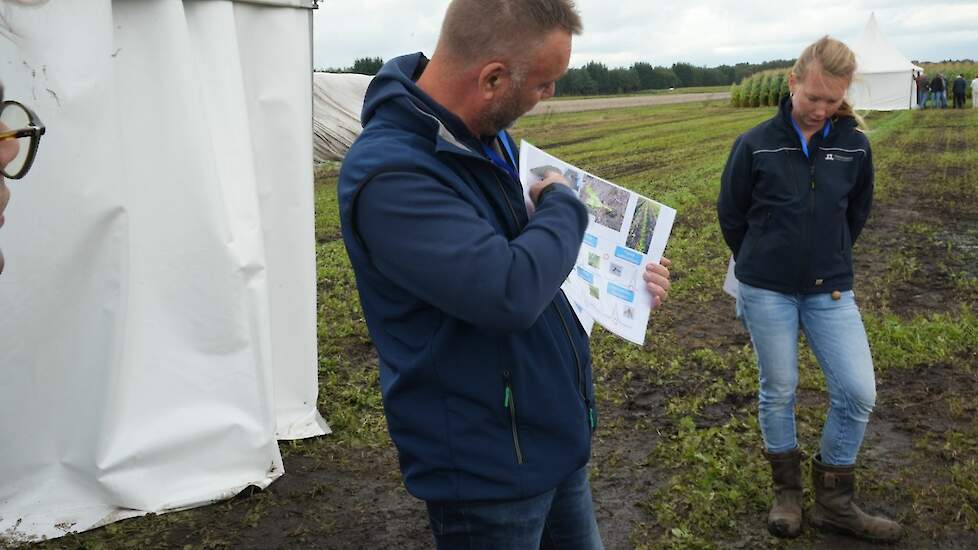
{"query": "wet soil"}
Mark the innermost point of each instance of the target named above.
(375, 511)
(351, 497)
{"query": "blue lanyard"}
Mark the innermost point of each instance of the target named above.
(498, 160)
(801, 136)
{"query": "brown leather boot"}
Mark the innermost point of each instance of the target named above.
(784, 519)
(835, 487)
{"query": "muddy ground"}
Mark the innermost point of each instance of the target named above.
(354, 499)
(384, 516)
(351, 497)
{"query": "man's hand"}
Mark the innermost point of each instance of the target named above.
(657, 281)
(551, 178)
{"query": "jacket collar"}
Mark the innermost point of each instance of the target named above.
(784, 121)
(395, 84)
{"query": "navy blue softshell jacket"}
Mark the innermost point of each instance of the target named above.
(791, 220)
(484, 369)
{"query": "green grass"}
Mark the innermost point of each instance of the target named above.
(348, 375)
(673, 91)
(675, 154)
(712, 481)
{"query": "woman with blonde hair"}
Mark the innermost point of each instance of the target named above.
(795, 194)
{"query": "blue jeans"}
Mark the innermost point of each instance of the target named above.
(836, 335)
(940, 100)
(922, 97)
(562, 518)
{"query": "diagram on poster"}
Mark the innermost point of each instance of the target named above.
(625, 232)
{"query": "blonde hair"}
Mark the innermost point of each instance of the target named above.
(835, 59)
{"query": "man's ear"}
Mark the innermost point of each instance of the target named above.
(493, 79)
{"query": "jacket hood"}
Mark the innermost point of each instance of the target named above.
(392, 81)
(395, 86)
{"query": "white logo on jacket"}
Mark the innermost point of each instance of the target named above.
(837, 157)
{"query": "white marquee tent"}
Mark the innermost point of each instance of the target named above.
(884, 76)
(158, 306)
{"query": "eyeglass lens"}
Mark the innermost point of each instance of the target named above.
(15, 118)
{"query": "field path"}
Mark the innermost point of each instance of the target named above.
(598, 103)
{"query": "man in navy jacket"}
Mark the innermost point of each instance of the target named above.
(485, 371)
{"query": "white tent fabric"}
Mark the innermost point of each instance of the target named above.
(157, 309)
(884, 76)
(337, 100)
(276, 52)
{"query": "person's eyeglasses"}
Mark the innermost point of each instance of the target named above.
(27, 129)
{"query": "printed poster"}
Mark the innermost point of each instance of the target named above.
(625, 232)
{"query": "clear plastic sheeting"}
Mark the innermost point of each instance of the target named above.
(337, 102)
(157, 309)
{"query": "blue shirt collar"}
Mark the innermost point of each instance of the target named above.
(501, 160)
(801, 136)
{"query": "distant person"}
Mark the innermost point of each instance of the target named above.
(960, 89)
(938, 88)
(974, 93)
(923, 90)
(795, 194)
(485, 370)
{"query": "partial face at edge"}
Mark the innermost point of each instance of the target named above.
(816, 98)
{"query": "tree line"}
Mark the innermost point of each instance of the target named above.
(596, 78)
(361, 65)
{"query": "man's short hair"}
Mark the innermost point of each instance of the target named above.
(475, 31)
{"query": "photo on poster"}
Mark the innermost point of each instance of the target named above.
(594, 260)
(643, 225)
(626, 316)
(625, 233)
(572, 176)
(544, 170)
(604, 201)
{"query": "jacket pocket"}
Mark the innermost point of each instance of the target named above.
(754, 238)
(509, 403)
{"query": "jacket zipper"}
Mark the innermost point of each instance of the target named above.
(807, 262)
(502, 190)
(563, 322)
(509, 402)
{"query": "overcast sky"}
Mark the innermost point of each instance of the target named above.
(702, 32)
